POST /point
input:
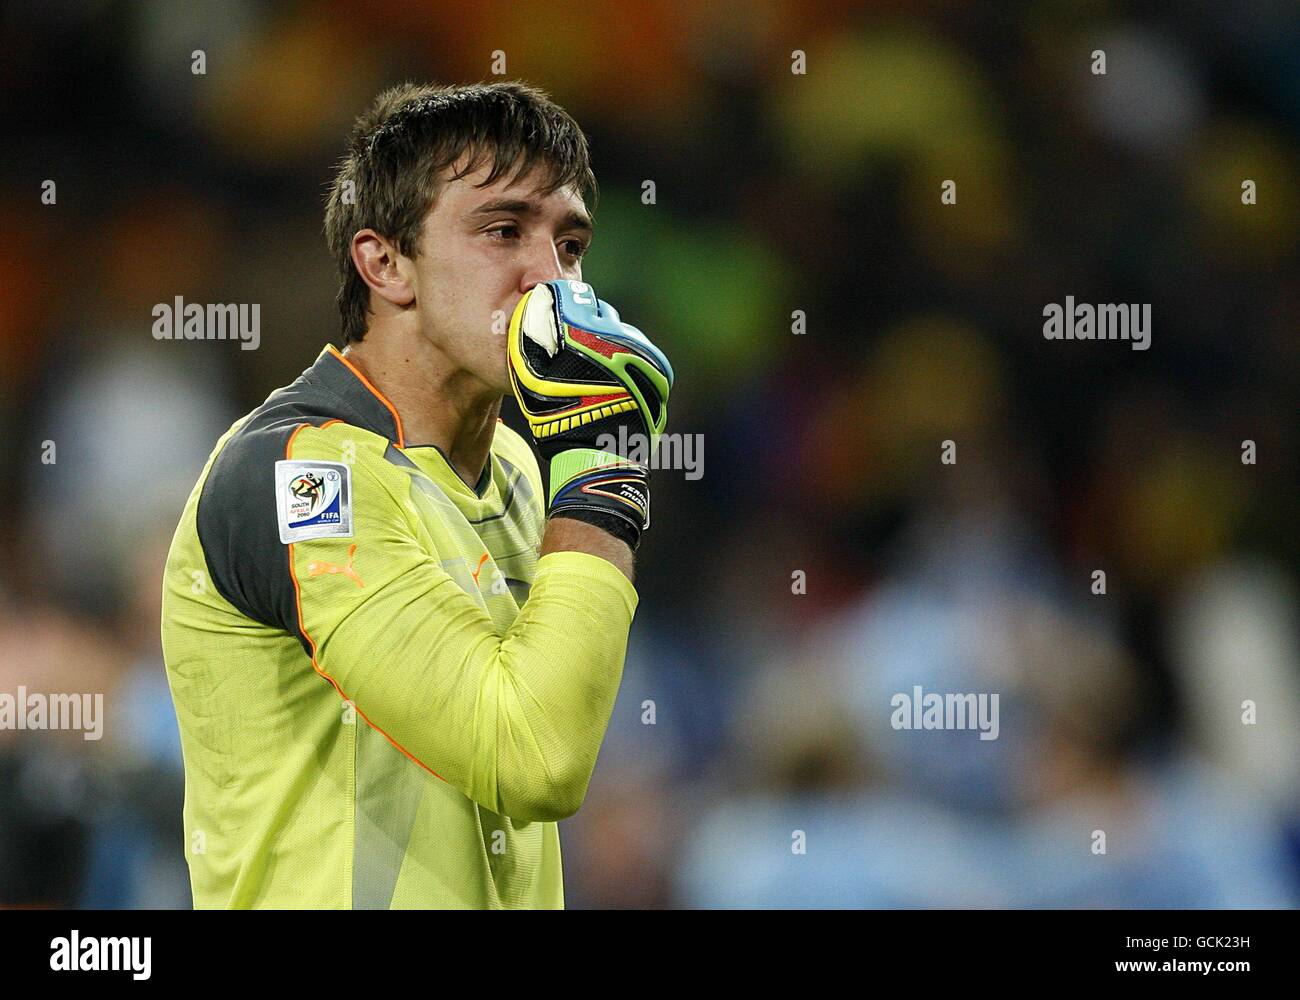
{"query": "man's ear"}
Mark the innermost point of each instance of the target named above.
(379, 264)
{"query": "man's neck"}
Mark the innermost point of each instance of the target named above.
(438, 404)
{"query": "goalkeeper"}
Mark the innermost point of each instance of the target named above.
(393, 650)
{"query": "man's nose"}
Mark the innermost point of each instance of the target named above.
(543, 265)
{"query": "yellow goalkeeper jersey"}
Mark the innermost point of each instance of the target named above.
(385, 698)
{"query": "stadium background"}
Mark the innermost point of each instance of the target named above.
(775, 192)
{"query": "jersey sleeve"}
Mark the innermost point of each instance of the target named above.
(513, 721)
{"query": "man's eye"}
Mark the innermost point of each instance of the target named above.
(510, 233)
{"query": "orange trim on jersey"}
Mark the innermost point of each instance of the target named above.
(297, 597)
(401, 440)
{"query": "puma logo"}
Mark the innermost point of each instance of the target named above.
(479, 569)
(322, 568)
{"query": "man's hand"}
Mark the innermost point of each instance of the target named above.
(579, 374)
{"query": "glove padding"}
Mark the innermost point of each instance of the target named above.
(579, 373)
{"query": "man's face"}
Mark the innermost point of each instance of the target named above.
(481, 249)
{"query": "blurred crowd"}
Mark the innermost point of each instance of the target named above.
(828, 559)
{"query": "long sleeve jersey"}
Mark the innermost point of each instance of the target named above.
(386, 699)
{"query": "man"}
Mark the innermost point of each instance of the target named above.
(392, 665)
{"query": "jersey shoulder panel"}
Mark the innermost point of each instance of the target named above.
(240, 513)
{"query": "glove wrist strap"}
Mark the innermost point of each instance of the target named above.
(584, 480)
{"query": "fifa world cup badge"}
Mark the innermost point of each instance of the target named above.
(313, 500)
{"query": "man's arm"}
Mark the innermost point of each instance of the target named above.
(515, 722)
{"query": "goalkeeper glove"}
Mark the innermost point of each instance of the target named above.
(579, 373)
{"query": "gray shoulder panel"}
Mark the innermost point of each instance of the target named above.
(238, 527)
(236, 518)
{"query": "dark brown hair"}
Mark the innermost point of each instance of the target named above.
(400, 147)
